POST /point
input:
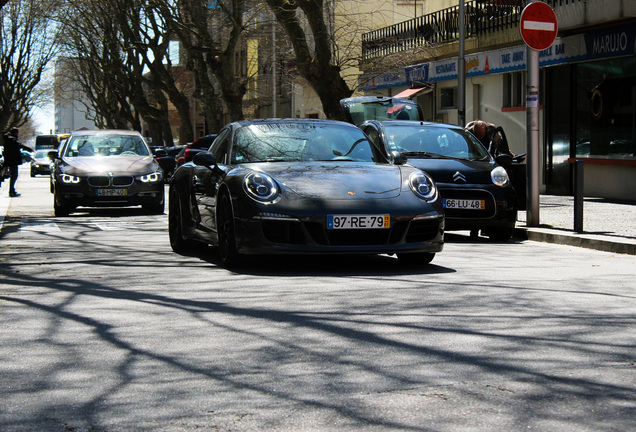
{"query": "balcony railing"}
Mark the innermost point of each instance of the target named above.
(480, 17)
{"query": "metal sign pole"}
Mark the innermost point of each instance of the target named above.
(532, 131)
(461, 70)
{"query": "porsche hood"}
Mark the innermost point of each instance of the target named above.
(339, 181)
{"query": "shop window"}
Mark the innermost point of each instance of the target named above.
(606, 108)
(514, 89)
(447, 97)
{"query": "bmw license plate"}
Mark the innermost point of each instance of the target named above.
(358, 221)
(464, 204)
(111, 192)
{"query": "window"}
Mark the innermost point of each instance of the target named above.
(514, 89)
(447, 97)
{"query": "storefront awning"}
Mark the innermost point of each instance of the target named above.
(411, 93)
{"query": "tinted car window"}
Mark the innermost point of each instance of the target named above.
(300, 142)
(440, 141)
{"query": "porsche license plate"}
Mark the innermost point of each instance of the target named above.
(111, 192)
(358, 221)
(464, 204)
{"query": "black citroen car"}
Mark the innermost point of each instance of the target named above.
(106, 168)
(476, 191)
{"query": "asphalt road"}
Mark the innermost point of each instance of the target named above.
(104, 328)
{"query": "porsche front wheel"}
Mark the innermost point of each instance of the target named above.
(227, 238)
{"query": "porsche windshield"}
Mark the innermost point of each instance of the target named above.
(422, 141)
(106, 145)
(286, 142)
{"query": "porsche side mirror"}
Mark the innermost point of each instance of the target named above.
(205, 159)
(398, 158)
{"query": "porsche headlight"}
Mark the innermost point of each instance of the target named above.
(260, 187)
(500, 176)
(151, 178)
(423, 186)
(69, 179)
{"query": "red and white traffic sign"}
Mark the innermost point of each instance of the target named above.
(538, 25)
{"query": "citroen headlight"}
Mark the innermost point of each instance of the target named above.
(500, 176)
(69, 179)
(260, 187)
(423, 186)
(151, 178)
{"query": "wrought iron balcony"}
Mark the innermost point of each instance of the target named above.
(480, 17)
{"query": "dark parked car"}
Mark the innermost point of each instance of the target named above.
(186, 154)
(106, 168)
(167, 159)
(40, 163)
(476, 191)
(302, 186)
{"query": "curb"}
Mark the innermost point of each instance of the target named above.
(588, 241)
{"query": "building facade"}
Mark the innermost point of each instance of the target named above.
(587, 83)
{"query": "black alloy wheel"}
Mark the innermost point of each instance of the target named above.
(227, 239)
(175, 224)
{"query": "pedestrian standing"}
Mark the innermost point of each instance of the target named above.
(13, 158)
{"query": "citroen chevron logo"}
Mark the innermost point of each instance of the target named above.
(457, 177)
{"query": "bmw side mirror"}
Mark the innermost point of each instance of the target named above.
(398, 158)
(205, 159)
(53, 155)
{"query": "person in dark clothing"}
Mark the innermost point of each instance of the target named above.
(13, 158)
(490, 137)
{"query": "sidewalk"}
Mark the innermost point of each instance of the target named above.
(607, 225)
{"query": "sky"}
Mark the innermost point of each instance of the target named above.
(44, 119)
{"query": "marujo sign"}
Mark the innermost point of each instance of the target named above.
(538, 25)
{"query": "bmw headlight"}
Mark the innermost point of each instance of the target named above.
(151, 178)
(69, 179)
(423, 186)
(260, 187)
(500, 176)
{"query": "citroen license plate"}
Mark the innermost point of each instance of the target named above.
(464, 204)
(111, 192)
(358, 221)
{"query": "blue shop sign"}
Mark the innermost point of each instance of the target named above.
(610, 43)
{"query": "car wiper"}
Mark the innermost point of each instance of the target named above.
(426, 154)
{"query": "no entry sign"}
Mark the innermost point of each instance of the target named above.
(538, 25)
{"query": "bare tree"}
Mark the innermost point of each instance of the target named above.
(314, 51)
(27, 44)
(212, 38)
(119, 53)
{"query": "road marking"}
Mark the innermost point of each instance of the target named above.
(39, 226)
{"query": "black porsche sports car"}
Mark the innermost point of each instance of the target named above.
(476, 191)
(105, 168)
(302, 186)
